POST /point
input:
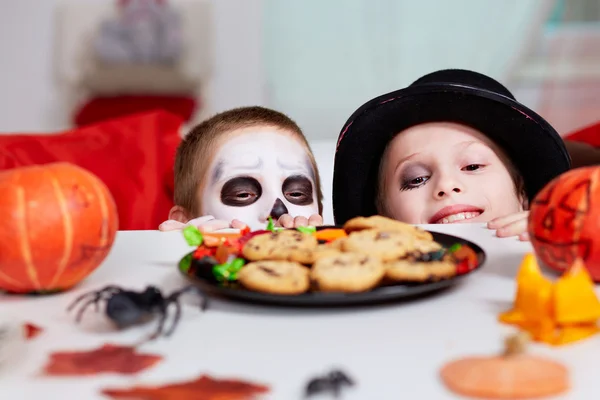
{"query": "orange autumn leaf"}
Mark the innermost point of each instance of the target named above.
(106, 359)
(202, 388)
(31, 330)
(575, 301)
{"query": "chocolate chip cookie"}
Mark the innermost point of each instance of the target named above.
(347, 272)
(285, 245)
(419, 267)
(325, 250)
(427, 246)
(386, 245)
(379, 222)
(275, 277)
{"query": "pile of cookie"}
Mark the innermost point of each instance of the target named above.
(373, 251)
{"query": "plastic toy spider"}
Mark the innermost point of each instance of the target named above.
(332, 382)
(127, 307)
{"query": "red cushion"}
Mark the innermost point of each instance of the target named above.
(589, 134)
(103, 108)
(134, 156)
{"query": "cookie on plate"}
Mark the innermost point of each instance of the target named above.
(386, 245)
(285, 245)
(379, 222)
(325, 250)
(427, 246)
(275, 277)
(411, 270)
(336, 244)
(347, 272)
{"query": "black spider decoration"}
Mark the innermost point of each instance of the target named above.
(127, 307)
(332, 382)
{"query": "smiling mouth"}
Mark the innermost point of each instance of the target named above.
(455, 214)
(458, 217)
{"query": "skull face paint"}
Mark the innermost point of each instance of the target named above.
(256, 173)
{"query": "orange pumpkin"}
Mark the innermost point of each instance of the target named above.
(564, 222)
(57, 224)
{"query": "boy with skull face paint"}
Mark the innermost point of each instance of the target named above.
(241, 167)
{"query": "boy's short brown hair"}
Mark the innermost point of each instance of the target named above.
(196, 150)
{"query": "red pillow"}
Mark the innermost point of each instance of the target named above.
(103, 108)
(134, 156)
(589, 134)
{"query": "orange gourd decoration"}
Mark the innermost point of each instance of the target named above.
(57, 224)
(511, 375)
(555, 313)
(565, 220)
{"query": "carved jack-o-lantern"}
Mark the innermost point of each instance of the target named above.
(564, 222)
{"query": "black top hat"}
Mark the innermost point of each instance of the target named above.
(453, 95)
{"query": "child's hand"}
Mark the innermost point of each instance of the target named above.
(206, 223)
(287, 221)
(511, 225)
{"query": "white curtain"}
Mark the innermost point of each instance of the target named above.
(324, 58)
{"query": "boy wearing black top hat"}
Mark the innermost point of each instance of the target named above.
(455, 146)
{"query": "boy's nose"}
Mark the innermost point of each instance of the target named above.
(278, 209)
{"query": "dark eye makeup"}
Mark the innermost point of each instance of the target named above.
(412, 179)
(298, 190)
(413, 183)
(240, 191)
(472, 167)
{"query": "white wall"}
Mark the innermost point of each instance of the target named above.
(30, 101)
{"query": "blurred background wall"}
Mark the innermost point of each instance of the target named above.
(319, 60)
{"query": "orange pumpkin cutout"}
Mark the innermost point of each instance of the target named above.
(575, 301)
(511, 375)
(565, 219)
(534, 292)
(58, 223)
(554, 313)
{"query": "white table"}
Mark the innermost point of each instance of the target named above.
(393, 351)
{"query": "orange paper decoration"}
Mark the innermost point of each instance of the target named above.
(554, 313)
(511, 375)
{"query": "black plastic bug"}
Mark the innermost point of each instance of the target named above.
(332, 382)
(127, 307)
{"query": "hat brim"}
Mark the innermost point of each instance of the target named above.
(534, 147)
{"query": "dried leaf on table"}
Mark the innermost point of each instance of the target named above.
(31, 330)
(202, 388)
(106, 359)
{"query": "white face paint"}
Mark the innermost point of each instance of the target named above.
(258, 173)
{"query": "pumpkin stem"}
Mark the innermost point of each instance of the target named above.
(516, 344)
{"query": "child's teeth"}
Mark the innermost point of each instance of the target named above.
(459, 217)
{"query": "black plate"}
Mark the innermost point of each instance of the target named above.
(319, 299)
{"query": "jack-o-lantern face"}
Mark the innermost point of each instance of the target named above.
(565, 220)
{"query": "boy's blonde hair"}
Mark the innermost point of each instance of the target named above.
(195, 152)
